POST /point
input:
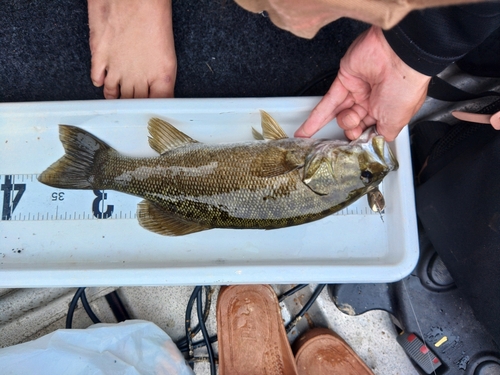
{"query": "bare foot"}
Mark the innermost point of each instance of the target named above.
(132, 46)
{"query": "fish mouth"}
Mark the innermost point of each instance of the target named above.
(376, 144)
(366, 136)
(384, 152)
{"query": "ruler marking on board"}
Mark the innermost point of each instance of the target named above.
(24, 198)
(12, 193)
(9, 184)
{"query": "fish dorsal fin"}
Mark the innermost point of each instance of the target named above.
(318, 174)
(164, 136)
(165, 223)
(257, 135)
(270, 128)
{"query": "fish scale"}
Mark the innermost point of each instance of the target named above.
(206, 178)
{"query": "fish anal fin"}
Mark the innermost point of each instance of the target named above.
(164, 136)
(270, 128)
(165, 223)
(275, 162)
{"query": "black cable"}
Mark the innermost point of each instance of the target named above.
(289, 292)
(115, 303)
(80, 294)
(199, 306)
(202, 342)
(72, 307)
(306, 307)
(184, 344)
(206, 309)
(87, 308)
(187, 321)
(197, 344)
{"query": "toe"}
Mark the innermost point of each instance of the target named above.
(111, 87)
(162, 88)
(141, 91)
(126, 90)
(97, 73)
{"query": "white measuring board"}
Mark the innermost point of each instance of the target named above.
(59, 237)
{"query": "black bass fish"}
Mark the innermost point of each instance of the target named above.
(269, 183)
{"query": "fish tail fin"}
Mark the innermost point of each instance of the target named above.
(75, 170)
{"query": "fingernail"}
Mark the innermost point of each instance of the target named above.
(300, 133)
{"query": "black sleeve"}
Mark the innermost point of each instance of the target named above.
(431, 39)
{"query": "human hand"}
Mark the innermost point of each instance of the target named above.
(373, 86)
(132, 46)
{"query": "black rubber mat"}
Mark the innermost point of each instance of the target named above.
(222, 51)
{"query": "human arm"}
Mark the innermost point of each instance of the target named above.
(383, 77)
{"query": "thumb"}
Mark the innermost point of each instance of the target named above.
(334, 101)
(495, 120)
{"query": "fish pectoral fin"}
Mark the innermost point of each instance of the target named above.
(318, 176)
(165, 223)
(274, 162)
(270, 128)
(164, 136)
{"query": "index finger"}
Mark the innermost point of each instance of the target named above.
(334, 101)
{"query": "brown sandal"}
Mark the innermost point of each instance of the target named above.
(322, 352)
(251, 335)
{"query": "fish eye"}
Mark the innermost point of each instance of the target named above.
(366, 176)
